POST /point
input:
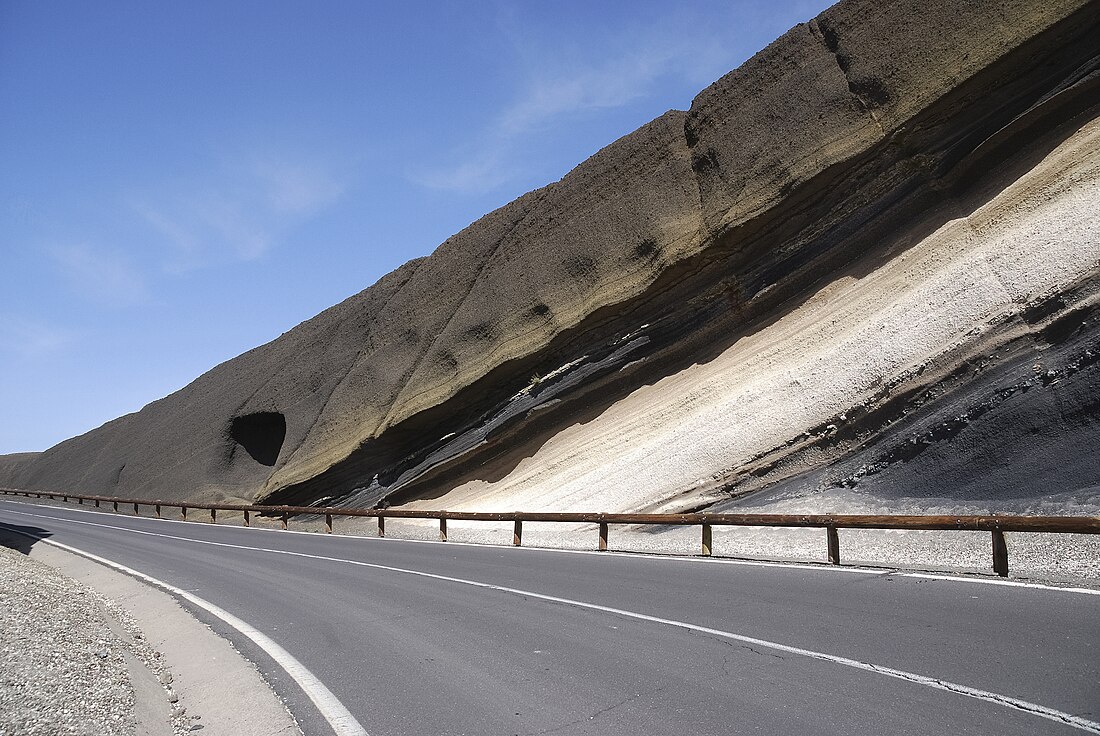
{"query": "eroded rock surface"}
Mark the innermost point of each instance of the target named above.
(838, 270)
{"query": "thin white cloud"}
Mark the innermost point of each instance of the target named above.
(683, 49)
(239, 213)
(478, 174)
(241, 227)
(31, 338)
(614, 83)
(104, 275)
(295, 188)
(182, 239)
(557, 87)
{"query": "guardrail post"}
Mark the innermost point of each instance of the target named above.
(442, 528)
(213, 516)
(97, 503)
(833, 544)
(328, 523)
(517, 534)
(183, 512)
(285, 519)
(64, 499)
(246, 519)
(1000, 553)
(158, 510)
(115, 503)
(135, 509)
(603, 537)
(381, 526)
(80, 500)
(707, 532)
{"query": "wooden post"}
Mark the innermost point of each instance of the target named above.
(286, 517)
(833, 544)
(158, 510)
(442, 528)
(246, 519)
(381, 526)
(213, 516)
(97, 503)
(517, 534)
(183, 512)
(706, 540)
(135, 509)
(328, 523)
(603, 537)
(115, 503)
(64, 499)
(1000, 553)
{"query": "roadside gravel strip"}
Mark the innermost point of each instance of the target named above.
(63, 664)
(74, 661)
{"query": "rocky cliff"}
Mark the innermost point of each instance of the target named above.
(865, 262)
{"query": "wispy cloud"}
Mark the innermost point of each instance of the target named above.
(614, 83)
(555, 87)
(239, 212)
(481, 172)
(295, 188)
(107, 276)
(30, 338)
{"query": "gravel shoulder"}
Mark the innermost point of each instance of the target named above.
(88, 650)
(63, 667)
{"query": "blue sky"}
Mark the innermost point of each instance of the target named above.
(183, 181)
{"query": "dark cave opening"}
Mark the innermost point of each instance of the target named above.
(260, 434)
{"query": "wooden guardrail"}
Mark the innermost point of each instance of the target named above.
(831, 523)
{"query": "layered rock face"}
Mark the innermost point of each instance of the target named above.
(864, 263)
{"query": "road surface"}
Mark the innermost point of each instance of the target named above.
(443, 638)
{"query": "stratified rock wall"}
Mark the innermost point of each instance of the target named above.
(671, 324)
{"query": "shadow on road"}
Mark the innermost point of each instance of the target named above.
(12, 536)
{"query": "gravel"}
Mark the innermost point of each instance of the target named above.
(63, 656)
(62, 668)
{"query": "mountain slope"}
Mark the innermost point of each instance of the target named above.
(875, 226)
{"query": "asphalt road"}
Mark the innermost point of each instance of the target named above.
(595, 643)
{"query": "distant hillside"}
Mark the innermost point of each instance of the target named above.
(861, 269)
(12, 463)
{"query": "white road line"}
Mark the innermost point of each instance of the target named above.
(1007, 583)
(343, 723)
(932, 682)
(657, 557)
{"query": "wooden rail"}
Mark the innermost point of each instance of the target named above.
(995, 525)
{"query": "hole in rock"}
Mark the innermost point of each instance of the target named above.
(260, 434)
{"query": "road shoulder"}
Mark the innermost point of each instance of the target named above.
(208, 677)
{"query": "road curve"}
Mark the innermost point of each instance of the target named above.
(434, 638)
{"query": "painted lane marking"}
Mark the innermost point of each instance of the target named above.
(935, 683)
(658, 557)
(343, 723)
(1005, 583)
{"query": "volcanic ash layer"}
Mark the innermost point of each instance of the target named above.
(860, 271)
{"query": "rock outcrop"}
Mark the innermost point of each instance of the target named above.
(866, 260)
